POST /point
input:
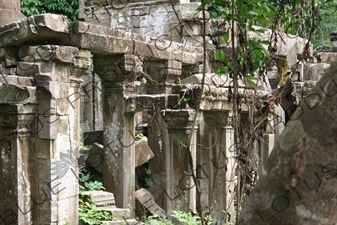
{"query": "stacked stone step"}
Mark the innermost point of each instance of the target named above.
(105, 201)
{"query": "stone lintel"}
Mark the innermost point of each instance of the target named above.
(96, 38)
(34, 30)
(180, 120)
(46, 53)
(217, 118)
(141, 102)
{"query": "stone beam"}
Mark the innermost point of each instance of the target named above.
(34, 30)
(56, 29)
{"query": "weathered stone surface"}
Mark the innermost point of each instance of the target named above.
(189, 12)
(146, 204)
(15, 94)
(34, 30)
(64, 54)
(116, 213)
(9, 56)
(143, 153)
(101, 198)
(315, 71)
(210, 79)
(327, 57)
(91, 137)
(9, 16)
(96, 157)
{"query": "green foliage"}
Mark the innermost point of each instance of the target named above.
(148, 179)
(325, 24)
(89, 215)
(140, 137)
(188, 219)
(94, 185)
(143, 80)
(68, 8)
(157, 220)
(86, 184)
(87, 212)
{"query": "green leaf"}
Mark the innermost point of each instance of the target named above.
(226, 37)
(222, 70)
(221, 57)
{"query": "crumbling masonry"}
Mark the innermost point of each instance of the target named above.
(61, 79)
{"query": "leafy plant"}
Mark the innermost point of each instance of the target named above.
(86, 184)
(157, 220)
(148, 179)
(68, 8)
(189, 219)
(140, 137)
(87, 212)
(89, 215)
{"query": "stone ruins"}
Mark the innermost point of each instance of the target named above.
(64, 84)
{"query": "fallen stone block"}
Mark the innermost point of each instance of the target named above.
(92, 137)
(101, 198)
(143, 153)
(95, 157)
(117, 213)
(146, 205)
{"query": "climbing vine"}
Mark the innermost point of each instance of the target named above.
(252, 55)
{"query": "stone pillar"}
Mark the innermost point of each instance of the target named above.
(164, 74)
(203, 165)
(182, 191)
(56, 73)
(158, 140)
(16, 144)
(10, 11)
(222, 168)
(118, 73)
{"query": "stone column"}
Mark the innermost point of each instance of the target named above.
(182, 191)
(16, 144)
(10, 11)
(118, 73)
(164, 74)
(56, 73)
(222, 170)
(203, 164)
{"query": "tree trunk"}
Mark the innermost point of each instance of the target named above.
(298, 185)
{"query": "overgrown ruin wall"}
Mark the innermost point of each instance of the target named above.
(60, 79)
